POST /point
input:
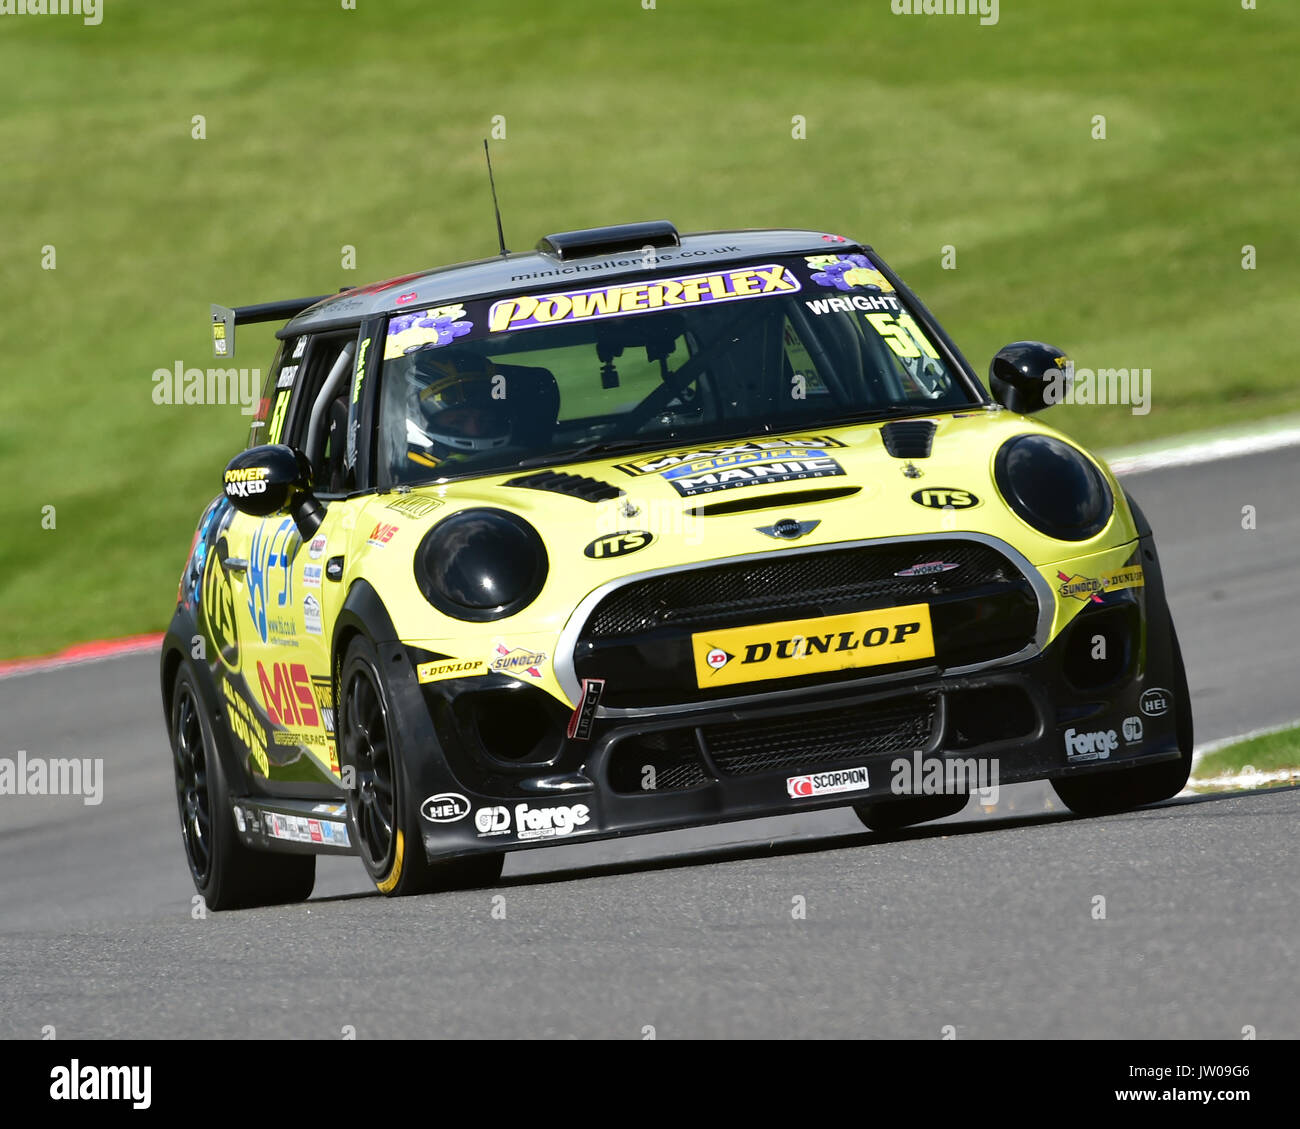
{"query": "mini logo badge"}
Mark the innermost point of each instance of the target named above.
(788, 529)
(334, 568)
(1156, 702)
(445, 807)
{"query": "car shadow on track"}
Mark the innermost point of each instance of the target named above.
(812, 844)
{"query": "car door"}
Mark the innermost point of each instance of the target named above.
(279, 584)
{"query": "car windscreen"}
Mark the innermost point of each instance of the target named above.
(786, 344)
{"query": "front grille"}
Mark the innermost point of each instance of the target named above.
(665, 760)
(795, 585)
(826, 737)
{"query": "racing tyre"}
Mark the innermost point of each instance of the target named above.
(1106, 793)
(383, 812)
(893, 815)
(226, 873)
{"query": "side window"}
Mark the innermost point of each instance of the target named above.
(281, 372)
(321, 432)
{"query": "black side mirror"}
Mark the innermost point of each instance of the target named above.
(1027, 376)
(271, 479)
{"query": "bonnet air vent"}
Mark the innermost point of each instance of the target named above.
(909, 438)
(567, 245)
(574, 485)
(774, 501)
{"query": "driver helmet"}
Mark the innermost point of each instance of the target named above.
(457, 414)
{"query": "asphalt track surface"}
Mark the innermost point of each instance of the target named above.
(984, 923)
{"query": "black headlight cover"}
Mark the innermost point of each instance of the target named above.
(481, 564)
(1053, 487)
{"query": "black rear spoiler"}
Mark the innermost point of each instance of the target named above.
(225, 318)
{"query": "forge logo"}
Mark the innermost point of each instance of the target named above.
(288, 695)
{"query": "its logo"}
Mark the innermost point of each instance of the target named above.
(945, 497)
(788, 529)
(382, 534)
(618, 544)
(445, 807)
(1090, 746)
(288, 695)
(1156, 702)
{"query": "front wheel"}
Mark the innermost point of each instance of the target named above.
(226, 873)
(382, 809)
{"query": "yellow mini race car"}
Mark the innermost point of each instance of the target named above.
(642, 531)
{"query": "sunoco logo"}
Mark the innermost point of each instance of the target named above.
(445, 807)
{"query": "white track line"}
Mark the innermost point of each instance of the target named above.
(1205, 451)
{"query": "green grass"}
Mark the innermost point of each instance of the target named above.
(1272, 752)
(328, 127)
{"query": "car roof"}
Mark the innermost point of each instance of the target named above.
(537, 270)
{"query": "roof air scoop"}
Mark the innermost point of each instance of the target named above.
(625, 237)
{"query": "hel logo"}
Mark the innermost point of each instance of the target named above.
(289, 698)
(827, 783)
(381, 534)
(618, 544)
(943, 497)
(813, 646)
(445, 807)
(1155, 702)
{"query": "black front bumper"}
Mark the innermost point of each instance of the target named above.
(653, 770)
